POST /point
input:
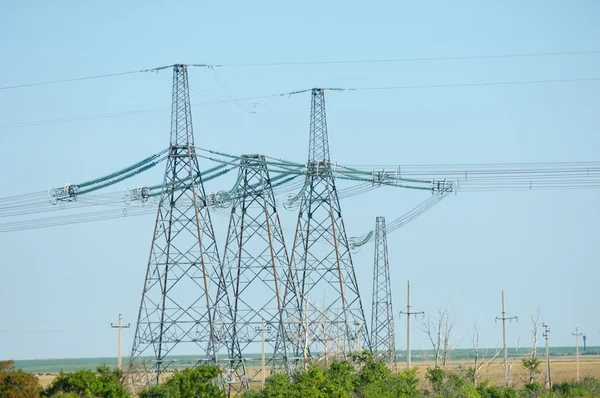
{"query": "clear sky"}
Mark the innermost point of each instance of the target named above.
(62, 287)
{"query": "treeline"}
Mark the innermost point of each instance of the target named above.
(361, 377)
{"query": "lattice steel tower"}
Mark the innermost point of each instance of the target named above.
(382, 316)
(256, 265)
(177, 312)
(332, 311)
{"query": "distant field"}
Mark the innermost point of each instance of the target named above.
(419, 358)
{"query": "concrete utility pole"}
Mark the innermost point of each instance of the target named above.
(577, 334)
(120, 327)
(504, 318)
(408, 314)
(548, 382)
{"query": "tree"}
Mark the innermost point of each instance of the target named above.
(104, 382)
(473, 371)
(198, 382)
(440, 333)
(532, 363)
(449, 385)
(14, 383)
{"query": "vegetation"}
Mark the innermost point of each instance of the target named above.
(104, 382)
(15, 383)
(361, 377)
(189, 383)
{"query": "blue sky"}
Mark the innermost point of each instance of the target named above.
(62, 287)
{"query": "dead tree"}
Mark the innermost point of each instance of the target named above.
(440, 332)
(531, 363)
(480, 362)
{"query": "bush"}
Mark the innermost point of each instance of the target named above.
(14, 383)
(103, 383)
(449, 385)
(196, 382)
(486, 390)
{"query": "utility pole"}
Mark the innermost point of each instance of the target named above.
(262, 331)
(408, 313)
(504, 318)
(357, 326)
(577, 334)
(548, 376)
(120, 327)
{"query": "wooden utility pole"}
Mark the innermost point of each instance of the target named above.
(504, 318)
(408, 313)
(577, 334)
(120, 327)
(548, 382)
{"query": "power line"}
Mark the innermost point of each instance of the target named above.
(239, 101)
(484, 84)
(76, 79)
(416, 59)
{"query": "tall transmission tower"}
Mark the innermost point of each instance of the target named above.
(256, 266)
(505, 318)
(332, 311)
(177, 313)
(382, 316)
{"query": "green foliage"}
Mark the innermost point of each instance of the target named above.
(405, 384)
(589, 387)
(277, 386)
(103, 383)
(449, 385)
(532, 365)
(198, 382)
(16, 383)
(7, 366)
(486, 390)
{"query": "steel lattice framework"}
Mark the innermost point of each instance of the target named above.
(256, 266)
(382, 315)
(177, 312)
(331, 307)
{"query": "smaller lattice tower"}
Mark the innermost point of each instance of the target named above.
(382, 315)
(331, 307)
(256, 265)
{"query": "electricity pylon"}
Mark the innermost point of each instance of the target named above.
(328, 295)
(382, 315)
(256, 267)
(177, 315)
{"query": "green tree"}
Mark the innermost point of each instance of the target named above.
(449, 385)
(14, 383)
(103, 383)
(405, 385)
(277, 386)
(199, 382)
(532, 365)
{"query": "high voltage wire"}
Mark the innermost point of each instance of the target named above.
(416, 59)
(76, 79)
(325, 62)
(239, 101)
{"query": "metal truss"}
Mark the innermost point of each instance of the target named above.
(184, 279)
(256, 267)
(331, 309)
(382, 315)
